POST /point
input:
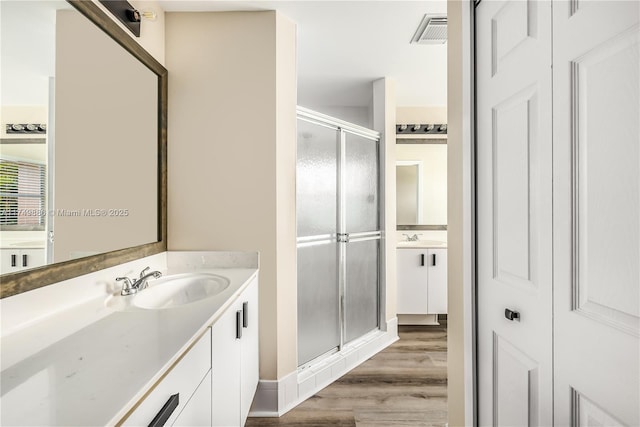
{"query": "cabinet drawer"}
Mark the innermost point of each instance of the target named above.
(183, 380)
(197, 411)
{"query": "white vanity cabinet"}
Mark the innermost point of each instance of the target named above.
(183, 396)
(422, 281)
(235, 359)
(14, 260)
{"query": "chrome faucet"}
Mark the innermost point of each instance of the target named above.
(130, 288)
(413, 238)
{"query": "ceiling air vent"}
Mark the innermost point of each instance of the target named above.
(432, 30)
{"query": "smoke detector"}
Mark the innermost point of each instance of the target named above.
(432, 30)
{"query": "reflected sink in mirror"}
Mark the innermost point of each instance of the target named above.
(422, 243)
(172, 291)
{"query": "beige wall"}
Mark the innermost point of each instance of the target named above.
(285, 156)
(384, 120)
(98, 165)
(460, 310)
(232, 145)
(430, 114)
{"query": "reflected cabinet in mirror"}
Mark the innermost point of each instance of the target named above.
(82, 144)
(421, 184)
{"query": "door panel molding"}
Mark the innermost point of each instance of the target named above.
(601, 161)
(513, 182)
(584, 412)
(518, 17)
(515, 385)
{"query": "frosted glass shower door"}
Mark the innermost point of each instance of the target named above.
(361, 215)
(316, 205)
(338, 234)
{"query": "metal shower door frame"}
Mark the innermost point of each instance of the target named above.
(343, 128)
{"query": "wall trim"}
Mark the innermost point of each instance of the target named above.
(275, 398)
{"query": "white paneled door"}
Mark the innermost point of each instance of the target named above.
(596, 104)
(514, 202)
(558, 199)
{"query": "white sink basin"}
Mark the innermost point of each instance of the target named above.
(180, 289)
(421, 243)
(172, 291)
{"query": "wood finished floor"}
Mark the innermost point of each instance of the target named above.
(404, 385)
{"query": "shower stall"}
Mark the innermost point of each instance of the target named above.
(338, 234)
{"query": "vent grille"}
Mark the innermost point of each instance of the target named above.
(432, 30)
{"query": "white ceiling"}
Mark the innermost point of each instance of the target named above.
(343, 46)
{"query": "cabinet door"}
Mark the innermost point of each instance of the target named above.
(197, 411)
(24, 259)
(437, 288)
(225, 358)
(412, 281)
(250, 350)
(5, 261)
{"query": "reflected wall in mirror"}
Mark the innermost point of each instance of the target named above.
(421, 184)
(409, 207)
(90, 190)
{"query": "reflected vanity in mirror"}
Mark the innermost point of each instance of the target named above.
(421, 184)
(86, 188)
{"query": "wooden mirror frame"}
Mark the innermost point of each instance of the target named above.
(16, 283)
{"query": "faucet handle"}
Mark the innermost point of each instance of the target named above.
(143, 272)
(127, 287)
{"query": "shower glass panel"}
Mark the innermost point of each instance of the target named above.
(316, 206)
(361, 184)
(338, 234)
(361, 288)
(361, 211)
(316, 179)
(318, 301)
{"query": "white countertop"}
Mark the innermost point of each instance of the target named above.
(94, 375)
(421, 244)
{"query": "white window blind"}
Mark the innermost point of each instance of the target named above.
(22, 194)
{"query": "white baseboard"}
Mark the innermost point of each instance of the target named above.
(274, 398)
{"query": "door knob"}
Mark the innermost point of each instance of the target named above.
(511, 315)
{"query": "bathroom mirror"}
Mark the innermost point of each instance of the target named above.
(421, 184)
(89, 192)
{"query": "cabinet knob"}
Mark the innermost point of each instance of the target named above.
(13, 260)
(421, 260)
(24, 260)
(511, 315)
